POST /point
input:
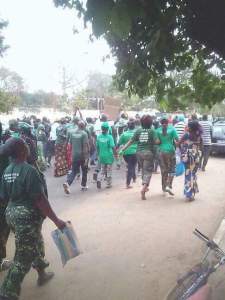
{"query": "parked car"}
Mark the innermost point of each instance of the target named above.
(218, 137)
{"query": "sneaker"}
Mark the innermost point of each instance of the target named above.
(169, 191)
(99, 185)
(66, 188)
(84, 188)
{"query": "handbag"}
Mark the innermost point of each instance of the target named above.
(67, 243)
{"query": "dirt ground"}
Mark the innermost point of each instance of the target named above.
(132, 249)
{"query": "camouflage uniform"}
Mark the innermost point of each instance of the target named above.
(4, 233)
(21, 184)
(167, 165)
(26, 224)
(146, 161)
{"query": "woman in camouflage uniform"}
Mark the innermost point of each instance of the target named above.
(27, 206)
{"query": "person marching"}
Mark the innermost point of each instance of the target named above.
(80, 156)
(191, 143)
(106, 152)
(27, 207)
(146, 138)
(167, 136)
(129, 154)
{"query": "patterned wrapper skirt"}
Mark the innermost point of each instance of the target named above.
(61, 166)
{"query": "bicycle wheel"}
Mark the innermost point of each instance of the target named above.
(186, 282)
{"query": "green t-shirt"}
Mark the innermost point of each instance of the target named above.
(79, 141)
(167, 141)
(145, 139)
(21, 184)
(105, 145)
(126, 137)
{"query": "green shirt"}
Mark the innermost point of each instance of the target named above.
(145, 139)
(167, 141)
(126, 137)
(21, 184)
(79, 141)
(105, 145)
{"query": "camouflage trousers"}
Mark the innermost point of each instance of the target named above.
(4, 233)
(167, 165)
(105, 174)
(146, 162)
(26, 224)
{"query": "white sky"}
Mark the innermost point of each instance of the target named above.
(41, 42)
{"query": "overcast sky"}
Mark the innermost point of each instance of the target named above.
(41, 42)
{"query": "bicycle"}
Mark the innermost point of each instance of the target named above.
(193, 284)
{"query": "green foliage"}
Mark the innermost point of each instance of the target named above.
(7, 101)
(11, 87)
(3, 47)
(150, 39)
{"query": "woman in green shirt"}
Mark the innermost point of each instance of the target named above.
(129, 155)
(145, 137)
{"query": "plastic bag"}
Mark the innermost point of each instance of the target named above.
(67, 243)
(180, 169)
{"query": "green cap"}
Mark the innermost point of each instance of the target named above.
(105, 125)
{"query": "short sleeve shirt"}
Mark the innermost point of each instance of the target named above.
(105, 145)
(167, 141)
(145, 139)
(126, 137)
(79, 141)
(21, 184)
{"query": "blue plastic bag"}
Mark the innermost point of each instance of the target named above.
(180, 169)
(67, 243)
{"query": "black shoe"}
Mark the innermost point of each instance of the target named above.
(45, 278)
(99, 185)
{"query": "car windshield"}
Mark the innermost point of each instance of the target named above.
(219, 130)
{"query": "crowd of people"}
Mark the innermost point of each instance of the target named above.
(29, 146)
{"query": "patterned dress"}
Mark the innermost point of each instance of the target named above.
(190, 153)
(61, 165)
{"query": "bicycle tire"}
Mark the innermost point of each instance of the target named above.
(183, 285)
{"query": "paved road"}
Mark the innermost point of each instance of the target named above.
(132, 249)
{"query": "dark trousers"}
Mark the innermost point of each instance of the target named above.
(206, 149)
(49, 150)
(131, 160)
(76, 165)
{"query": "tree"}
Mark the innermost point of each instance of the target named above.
(11, 87)
(151, 38)
(3, 47)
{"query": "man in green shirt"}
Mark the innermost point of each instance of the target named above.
(106, 151)
(167, 136)
(80, 156)
(129, 154)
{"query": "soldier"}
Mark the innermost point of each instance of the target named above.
(27, 207)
